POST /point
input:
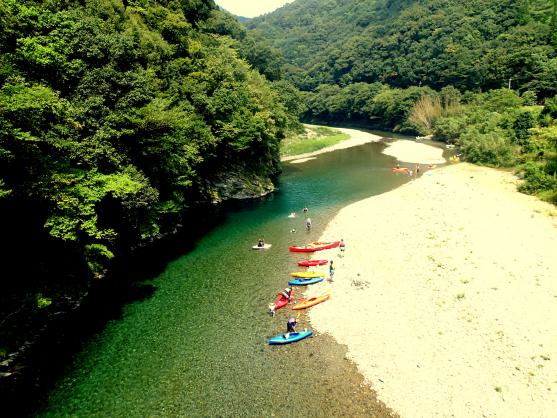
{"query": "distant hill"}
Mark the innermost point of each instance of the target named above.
(470, 45)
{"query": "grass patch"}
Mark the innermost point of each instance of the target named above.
(313, 139)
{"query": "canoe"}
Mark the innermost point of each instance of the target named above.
(400, 169)
(314, 246)
(304, 282)
(312, 263)
(307, 274)
(281, 301)
(311, 301)
(292, 337)
(265, 247)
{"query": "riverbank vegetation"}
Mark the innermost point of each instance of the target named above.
(312, 139)
(116, 118)
(479, 75)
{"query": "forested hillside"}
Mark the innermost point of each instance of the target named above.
(116, 116)
(479, 74)
(470, 44)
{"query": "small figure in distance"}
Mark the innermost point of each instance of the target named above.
(305, 210)
(272, 310)
(342, 246)
(417, 170)
(260, 242)
(293, 230)
(290, 326)
(331, 271)
(308, 224)
(397, 165)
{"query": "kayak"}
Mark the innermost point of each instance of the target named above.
(290, 337)
(311, 301)
(282, 300)
(265, 247)
(400, 169)
(312, 263)
(314, 246)
(307, 274)
(303, 282)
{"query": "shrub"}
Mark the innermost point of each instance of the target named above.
(490, 148)
(449, 129)
(539, 180)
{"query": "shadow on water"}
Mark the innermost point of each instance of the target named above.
(191, 341)
(129, 281)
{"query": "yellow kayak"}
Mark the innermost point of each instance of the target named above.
(311, 301)
(307, 274)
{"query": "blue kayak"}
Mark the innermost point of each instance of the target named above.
(292, 337)
(302, 282)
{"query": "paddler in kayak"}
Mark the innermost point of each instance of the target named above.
(291, 325)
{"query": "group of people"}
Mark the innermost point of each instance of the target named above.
(287, 292)
(416, 171)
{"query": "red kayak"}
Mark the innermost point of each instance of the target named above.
(312, 263)
(282, 300)
(314, 246)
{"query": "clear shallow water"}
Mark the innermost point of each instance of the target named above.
(197, 346)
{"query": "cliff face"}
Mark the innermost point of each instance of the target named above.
(238, 185)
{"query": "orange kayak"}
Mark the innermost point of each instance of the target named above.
(311, 301)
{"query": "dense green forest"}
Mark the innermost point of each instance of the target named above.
(115, 118)
(480, 74)
(471, 44)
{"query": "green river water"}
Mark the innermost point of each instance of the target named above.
(197, 347)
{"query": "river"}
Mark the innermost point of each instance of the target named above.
(197, 346)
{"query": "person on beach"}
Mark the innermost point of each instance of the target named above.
(287, 293)
(342, 246)
(272, 309)
(331, 270)
(308, 224)
(417, 170)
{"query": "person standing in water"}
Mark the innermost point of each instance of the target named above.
(308, 223)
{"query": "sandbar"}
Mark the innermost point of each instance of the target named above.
(413, 152)
(357, 137)
(446, 295)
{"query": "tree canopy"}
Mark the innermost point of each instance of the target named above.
(116, 116)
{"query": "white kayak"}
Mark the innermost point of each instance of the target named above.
(264, 247)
